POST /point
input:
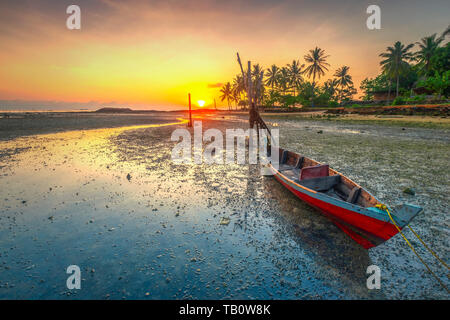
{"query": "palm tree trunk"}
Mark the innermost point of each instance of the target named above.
(389, 91)
(313, 85)
(398, 78)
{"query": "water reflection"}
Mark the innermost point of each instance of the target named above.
(332, 250)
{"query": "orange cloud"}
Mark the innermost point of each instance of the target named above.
(215, 85)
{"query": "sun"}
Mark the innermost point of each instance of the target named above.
(201, 103)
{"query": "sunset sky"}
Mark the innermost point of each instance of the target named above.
(150, 54)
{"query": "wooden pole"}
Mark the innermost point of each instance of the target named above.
(249, 82)
(254, 117)
(190, 111)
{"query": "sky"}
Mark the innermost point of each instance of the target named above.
(151, 54)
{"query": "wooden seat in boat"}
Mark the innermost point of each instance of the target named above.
(354, 194)
(321, 170)
(317, 178)
(321, 184)
(296, 167)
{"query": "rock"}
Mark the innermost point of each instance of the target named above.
(225, 221)
(128, 177)
(409, 191)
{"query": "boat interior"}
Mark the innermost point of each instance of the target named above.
(321, 178)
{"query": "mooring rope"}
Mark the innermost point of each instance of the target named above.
(384, 207)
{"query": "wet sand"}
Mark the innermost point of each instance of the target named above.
(141, 227)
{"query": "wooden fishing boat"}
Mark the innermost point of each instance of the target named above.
(347, 204)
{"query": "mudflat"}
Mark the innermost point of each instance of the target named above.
(101, 192)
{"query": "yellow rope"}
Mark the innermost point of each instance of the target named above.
(429, 249)
(383, 207)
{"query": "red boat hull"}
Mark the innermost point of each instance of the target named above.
(365, 230)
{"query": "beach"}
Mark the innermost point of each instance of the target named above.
(100, 191)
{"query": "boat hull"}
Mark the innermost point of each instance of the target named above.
(364, 228)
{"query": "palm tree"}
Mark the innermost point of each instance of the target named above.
(329, 87)
(343, 79)
(389, 73)
(272, 75)
(226, 92)
(283, 79)
(256, 70)
(235, 96)
(396, 60)
(427, 48)
(258, 84)
(317, 66)
(238, 85)
(446, 32)
(295, 74)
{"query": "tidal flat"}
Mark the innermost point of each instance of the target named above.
(109, 199)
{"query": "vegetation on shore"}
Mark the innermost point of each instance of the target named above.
(384, 120)
(410, 77)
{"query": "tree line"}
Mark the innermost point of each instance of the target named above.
(297, 83)
(403, 71)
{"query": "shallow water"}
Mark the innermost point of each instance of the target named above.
(156, 234)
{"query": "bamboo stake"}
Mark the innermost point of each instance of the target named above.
(190, 111)
(250, 84)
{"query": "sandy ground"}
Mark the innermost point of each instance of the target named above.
(141, 227)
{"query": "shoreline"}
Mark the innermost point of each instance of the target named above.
(27, 124)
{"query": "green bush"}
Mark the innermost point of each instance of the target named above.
(333, 104)
(398, 101)
(439, 84)
(417, 99)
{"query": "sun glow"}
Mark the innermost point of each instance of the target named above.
(201, 103)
